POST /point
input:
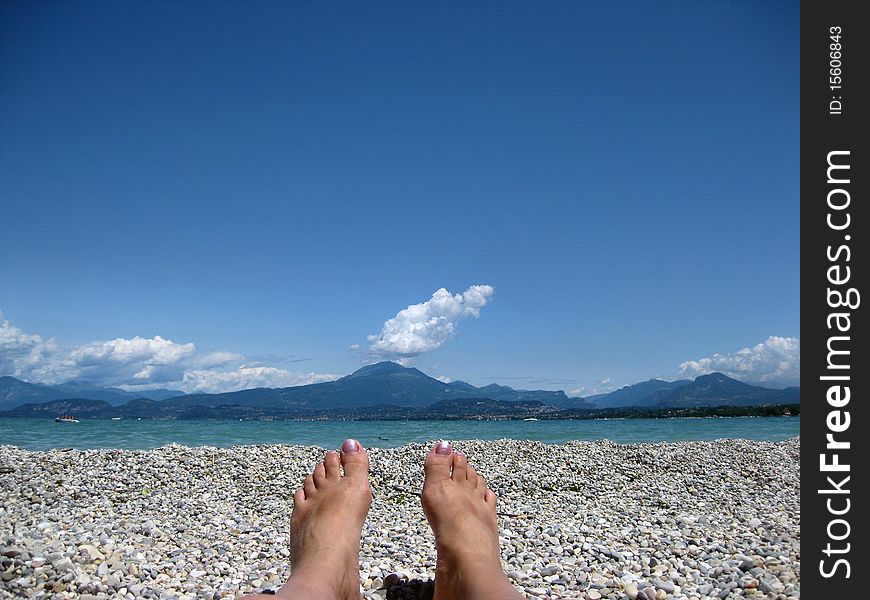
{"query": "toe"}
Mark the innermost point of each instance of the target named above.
(332, 464)
(471, 475)
(319, 475)
(460, 467)
(354, 459)
(308, 486)
(489, 496)
(481, 485)
(437, 465)
(298, 497)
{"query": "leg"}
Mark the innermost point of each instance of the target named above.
(461, 511)
(328, 514)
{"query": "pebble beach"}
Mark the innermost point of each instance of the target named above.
(589, 520)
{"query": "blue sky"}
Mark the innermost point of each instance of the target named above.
(270, 183)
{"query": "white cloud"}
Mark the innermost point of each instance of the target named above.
(23, 354)
(443, 379)
(153, 360)
(776, 361)
(426, 326)
(248, 377)
(137, 363)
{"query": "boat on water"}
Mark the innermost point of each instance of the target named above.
(116, 418)
(530, 419)
(66, 419)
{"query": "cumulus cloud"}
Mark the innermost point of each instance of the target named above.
(245, 377)
(153, 360)
(776, 361)
(138, 363)
(426, 326)
(22, 354)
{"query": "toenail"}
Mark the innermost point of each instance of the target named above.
(443, 448)
(350, 446)
(461, 453)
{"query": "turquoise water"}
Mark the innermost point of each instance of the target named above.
(43, 434)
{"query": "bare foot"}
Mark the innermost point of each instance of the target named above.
(328, 515)
(461, 511)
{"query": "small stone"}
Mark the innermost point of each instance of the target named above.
(63, 564)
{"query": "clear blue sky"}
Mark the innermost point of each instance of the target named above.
(277, 179)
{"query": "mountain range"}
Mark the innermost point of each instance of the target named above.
(14, 392)
(387, 387)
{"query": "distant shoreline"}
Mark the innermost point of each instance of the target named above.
(231, 413)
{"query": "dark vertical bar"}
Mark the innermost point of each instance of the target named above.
(834, 227)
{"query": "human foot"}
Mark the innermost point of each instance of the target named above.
(328, 514)
(461, 511)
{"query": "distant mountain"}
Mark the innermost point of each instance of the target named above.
(381, 383)
(385, 389)
(82, 409)
(717, 389)
(14, 392)
(114, 396)
(647, 393)
(158, 394)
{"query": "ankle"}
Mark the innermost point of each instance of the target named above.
(477, 559)
(319, 583)
(469, 566)
(478, 581)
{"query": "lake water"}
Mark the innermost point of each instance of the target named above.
(43, 434)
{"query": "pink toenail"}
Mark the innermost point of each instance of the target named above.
(350, 446)
(443, 448)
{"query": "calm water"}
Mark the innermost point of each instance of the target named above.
(42, 434)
